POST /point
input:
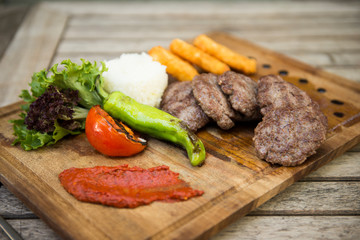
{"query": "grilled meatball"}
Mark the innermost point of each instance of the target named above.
(179, 101)
(293, 126)
(212, 100)
(274, 92)
(241, 91)
(287, 136)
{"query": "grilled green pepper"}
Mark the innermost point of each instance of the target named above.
(156, 123)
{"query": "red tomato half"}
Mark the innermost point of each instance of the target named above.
(111, 137)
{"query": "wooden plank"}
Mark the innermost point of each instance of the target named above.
(10, 19)
(12, 207)
(329, 45)
(217, 8)
(262, 22)
(153, 31)
(345, 167)
(351, 72)
(346, 58)
(32, 47)
(109, 45)
(127, 10)
(351, 59)
(31, 229)
(314, 59)
(301, 227)
(249, 227)
(304, 198)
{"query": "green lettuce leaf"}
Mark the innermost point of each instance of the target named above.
(39, 83)
(31, 139)
(76, 77)
(82, 78)
(85, 78)
(61, 132)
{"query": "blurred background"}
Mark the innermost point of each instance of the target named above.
(332, 27)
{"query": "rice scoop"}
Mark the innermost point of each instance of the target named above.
(137, 76)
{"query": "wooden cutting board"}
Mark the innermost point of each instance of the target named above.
(235, 181)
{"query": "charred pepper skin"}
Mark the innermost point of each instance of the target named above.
(156, 123)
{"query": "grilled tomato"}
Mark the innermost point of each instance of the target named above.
(111, 137)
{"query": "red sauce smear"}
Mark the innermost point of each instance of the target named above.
(126, 187)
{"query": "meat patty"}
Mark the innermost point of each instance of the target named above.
(287, 136)
(274, 92)
(293, 126)
(241, 91)
(212, 100)
(179, 101)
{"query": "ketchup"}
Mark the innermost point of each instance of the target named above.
(125, 187)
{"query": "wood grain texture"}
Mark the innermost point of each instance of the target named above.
(345, 168)
(301, 227)
(32, 47)
(12, 207)
(10, 19)
(311, 21)
(248, 227)
(309, 199)
(32, 229)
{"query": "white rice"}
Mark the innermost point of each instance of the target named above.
(137, 76)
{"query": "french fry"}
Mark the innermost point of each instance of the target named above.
(175, 66)
(224, 54)
(198, 57)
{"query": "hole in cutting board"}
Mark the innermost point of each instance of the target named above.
(265, 65)
(337, 102)
(283, 73)
(321, 90)
(303, 80)
(339, 114)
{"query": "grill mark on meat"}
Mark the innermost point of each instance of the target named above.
(212, 100)
(179, 101)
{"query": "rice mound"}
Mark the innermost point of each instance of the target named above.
(137, 76)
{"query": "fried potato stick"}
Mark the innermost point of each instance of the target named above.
(224, 54)
(175, 66)
(198, 57)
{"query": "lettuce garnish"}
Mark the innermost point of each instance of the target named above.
(57, 103)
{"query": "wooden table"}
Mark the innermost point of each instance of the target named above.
(325, 34)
